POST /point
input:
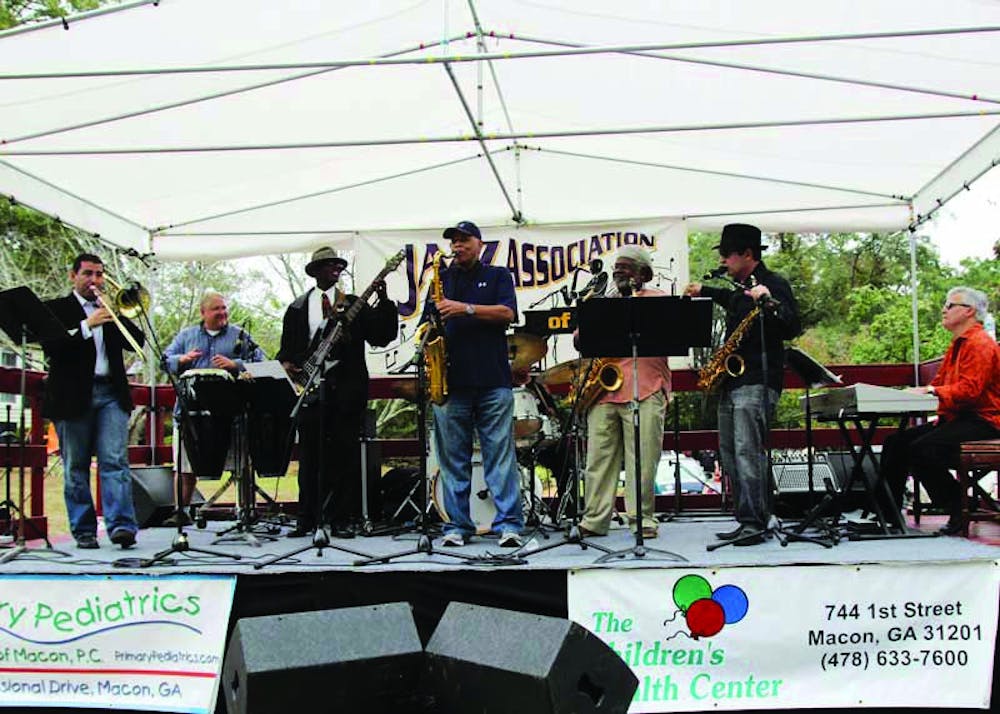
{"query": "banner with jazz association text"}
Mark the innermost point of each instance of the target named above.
(542, 261)
(113, 642)
(830, 636)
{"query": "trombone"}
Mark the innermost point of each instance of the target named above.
(128, 302)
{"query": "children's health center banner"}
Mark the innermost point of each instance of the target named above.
(880, 635)
(133, 642)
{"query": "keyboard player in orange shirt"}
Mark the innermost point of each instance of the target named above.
(967, 386)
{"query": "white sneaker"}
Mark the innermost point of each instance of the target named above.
(453, 540)
(510, 539)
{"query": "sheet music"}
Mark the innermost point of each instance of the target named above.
(271, 369)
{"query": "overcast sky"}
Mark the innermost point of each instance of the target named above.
(969, 224)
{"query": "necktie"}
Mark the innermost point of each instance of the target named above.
(327, 307)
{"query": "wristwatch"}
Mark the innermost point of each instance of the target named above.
(930, 390)
(470, 309)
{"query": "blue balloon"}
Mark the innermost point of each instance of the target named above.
(734, 602)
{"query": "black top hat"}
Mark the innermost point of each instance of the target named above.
(738, 237)
(323, 255)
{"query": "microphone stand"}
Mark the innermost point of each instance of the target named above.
(425, 544)
(320, 539)
(773, 525)
(639, 550)
(572, 535)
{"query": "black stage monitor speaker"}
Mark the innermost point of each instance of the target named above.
(793, 476)
(356, 659)
(153, 494)
(486, 660)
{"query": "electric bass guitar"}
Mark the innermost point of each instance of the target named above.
(328, 337)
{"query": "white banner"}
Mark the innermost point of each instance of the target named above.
(134, 642)
(542, 260)
(914, 635)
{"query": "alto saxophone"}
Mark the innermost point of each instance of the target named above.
(726, 361)
(431, 336)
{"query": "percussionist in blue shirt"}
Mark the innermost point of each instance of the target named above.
(213, 343)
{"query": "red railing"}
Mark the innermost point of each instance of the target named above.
(157, 403)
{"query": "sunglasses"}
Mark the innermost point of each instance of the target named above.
(950, 305)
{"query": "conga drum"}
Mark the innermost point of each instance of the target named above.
(206, 400)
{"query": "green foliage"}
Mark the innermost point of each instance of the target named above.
(18, 12)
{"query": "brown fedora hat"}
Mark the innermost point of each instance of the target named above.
(323, 255)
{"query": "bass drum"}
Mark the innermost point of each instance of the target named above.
(482, 509)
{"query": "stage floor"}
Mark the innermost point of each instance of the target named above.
(684, 539)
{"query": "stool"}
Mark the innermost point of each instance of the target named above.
(976, 459)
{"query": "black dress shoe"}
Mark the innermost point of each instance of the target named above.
(750, 536)
(729, 535)
(300, 531)
(952, 527)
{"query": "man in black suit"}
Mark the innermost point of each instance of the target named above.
(87, 397)
(332, 494)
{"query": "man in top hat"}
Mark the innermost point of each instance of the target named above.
(329, 481)
(479, 304)
(747, 401)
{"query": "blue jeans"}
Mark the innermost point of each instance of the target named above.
(103, 430)
(490, 413)
(742, 431)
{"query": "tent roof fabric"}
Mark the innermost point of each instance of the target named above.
(238, 127)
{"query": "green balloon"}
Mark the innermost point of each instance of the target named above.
(689, 589)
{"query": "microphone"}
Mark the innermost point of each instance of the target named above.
(715, 273)
(596, 265)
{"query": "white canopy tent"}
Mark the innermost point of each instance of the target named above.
(223, 128)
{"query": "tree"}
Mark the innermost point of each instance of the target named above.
(18, 12)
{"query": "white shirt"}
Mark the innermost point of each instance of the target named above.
(316, 307)
(97, 333)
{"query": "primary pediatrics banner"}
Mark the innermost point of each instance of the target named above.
(913, 635)
(132, 642)
(541, 260)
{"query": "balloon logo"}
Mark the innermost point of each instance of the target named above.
(707, 611)
(690, 589)
(734, 602)
(705, 617)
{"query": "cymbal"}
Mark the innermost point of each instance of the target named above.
(562, 373)
(524, 349)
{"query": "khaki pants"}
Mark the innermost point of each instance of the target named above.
(609, 438)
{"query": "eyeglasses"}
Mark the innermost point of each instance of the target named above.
(950, 305)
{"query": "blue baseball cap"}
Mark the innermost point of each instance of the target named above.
(467, 227)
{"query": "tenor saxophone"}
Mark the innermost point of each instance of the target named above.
(431, 335)
(726, 362)
(603, 375)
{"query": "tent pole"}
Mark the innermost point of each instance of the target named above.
(913, 306)
(506, 136)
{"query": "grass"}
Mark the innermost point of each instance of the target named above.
(285, 489)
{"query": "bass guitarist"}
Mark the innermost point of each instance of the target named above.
(333, 495)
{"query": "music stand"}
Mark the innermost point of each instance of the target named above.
(25, 319)
(643, 327)
(812, 374)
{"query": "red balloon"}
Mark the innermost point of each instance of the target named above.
(705, 617)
